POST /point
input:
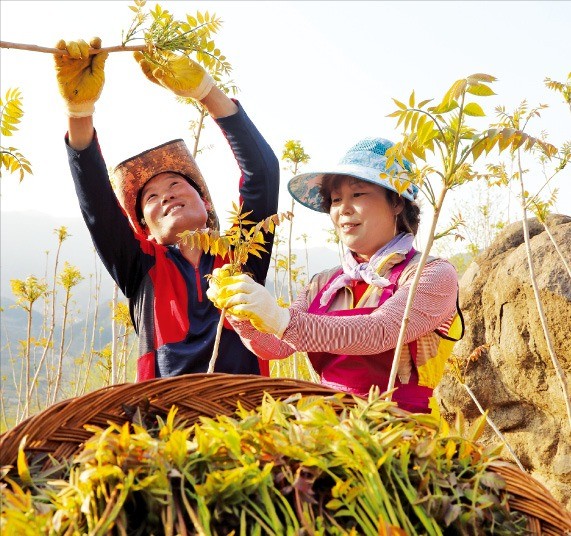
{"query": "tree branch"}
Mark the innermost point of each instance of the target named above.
(36, 48)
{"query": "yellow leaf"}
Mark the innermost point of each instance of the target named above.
(481, 90)
(245, 213)
(444, 107)
(548, 149)
(416, 122)
(214, 247)
(22, 464)
(477, 149)
(505, 137)
(454, 92)
(477, 428)
(518, 139)
(205, 242)
(474, 110)
(424, 132)
(450, 449)
(490, 143)
(458, 88)
(481, 77)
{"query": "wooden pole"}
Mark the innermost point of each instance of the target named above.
(36, 48)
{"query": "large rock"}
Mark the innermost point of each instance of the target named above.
(515, 379)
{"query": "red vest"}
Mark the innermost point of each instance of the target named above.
(355, 373)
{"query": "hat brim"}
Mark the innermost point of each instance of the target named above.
(305, 187)
(131, 175)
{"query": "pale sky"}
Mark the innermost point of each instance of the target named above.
(322, 72)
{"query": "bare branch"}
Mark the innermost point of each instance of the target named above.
(92, 51)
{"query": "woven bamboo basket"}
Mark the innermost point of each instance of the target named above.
(59, 430)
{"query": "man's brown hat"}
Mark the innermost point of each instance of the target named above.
(132, 174)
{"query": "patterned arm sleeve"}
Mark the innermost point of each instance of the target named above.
(264, 345)
(433, 305)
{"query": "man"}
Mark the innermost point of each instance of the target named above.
(162, 193)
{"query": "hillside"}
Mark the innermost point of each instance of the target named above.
(29, 245)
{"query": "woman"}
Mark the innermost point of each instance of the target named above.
(348, 318)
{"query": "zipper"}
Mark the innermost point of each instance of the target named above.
(198, 285)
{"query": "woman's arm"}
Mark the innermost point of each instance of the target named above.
(434, 304)
(265, 345)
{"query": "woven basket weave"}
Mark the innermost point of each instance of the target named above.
(59, 430)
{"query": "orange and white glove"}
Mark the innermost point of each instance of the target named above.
(183, 76)
(245, 299)
(80, 76)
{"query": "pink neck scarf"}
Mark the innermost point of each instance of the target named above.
(373, 271)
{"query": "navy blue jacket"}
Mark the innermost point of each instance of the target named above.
(175, 321)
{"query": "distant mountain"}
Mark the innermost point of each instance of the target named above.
(29, 245)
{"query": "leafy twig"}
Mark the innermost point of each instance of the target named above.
(442, 130)
(244, 238)
(162, 36)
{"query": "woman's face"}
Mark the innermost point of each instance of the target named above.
(362, 215)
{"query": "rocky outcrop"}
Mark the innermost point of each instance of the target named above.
(515, 377)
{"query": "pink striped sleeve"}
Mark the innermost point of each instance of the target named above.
(433, 306)
(264, 345)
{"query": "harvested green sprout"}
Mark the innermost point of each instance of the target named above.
(307, 465)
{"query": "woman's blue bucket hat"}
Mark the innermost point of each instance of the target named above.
(365, 161)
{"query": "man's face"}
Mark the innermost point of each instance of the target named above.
(170, 205)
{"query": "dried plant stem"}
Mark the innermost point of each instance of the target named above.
(411, 293)
(48, 50)
(494, 427)
(114, 331)
(558, 249)
(217, 341)
(556, 365)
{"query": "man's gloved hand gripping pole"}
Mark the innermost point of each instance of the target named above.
(186, 78)
(181, 75)
(80, 76)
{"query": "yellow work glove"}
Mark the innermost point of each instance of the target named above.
(246, 299)
(217, 284)
(80, 76)
(183, 76)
